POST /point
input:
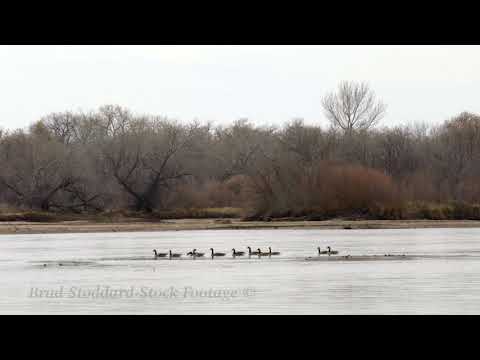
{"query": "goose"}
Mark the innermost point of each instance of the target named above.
(195, 254)
(321, 252)
(330, 252)
(237, 253)
(159, 254)
(272, 253)
(250, 252)
(216, 254)
(260, 253)
(172, 255)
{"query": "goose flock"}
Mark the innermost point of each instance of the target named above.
(235, 253)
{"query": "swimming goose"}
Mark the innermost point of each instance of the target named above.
(260, 253)
(195, 254)
(172, 255)
(237, 253)
(250, 252)
(216, 254)
(321, 252)
(272, 253)
(159, 254)
(330, 252)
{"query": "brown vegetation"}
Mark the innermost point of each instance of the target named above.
(156, 168)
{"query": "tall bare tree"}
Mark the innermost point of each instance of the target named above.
(353, 107)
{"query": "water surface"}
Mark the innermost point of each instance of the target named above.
(115, 273)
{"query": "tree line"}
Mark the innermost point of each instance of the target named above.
(76, 162)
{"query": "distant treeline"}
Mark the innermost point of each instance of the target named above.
(110, 159)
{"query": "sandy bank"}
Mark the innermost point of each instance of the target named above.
(212, 224)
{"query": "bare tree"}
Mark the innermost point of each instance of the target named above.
(236, 148)
(35, 168)
(308, 142)
(147, 160)
(353, 107)
(397, 153)
(62, 125)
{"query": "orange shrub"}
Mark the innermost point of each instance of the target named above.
(328, 190)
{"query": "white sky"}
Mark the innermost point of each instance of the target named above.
(266, 84)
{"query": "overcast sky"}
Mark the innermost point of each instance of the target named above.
(266, 84)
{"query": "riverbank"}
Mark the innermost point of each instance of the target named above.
(84, 226)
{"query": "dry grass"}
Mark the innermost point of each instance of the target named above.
(204, 213)
(33, 216)
(123, 216)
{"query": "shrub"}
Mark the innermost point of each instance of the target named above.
(330, 190)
